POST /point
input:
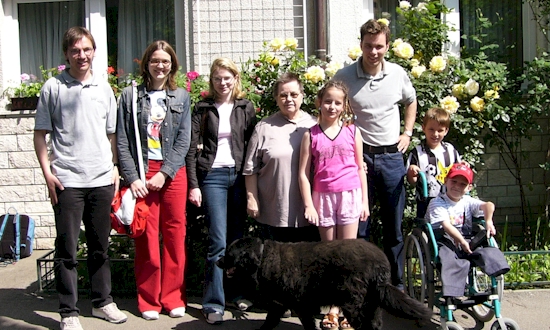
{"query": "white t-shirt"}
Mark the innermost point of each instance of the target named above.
(459, 213)
(224, 158)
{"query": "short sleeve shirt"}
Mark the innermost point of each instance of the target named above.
(460, 213)
(274, 155)
(78, 116)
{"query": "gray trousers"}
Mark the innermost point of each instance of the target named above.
(455, 265)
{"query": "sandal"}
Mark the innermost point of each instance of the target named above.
(330, 321)
(345, 325)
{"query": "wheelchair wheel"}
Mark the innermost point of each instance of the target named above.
(453, 326)
(482, 283)
(418, 269)
(509, 323)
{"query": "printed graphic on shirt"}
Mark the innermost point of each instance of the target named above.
(443, 171)
(329, 152)
(158, 113)
(457, 220)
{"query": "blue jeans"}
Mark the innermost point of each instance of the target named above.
(224, 198)
(385, 180)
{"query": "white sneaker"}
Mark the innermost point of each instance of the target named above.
(150, 315)
(177, 312)
(213, 318)
(110, 313)
(70, 323)
(243, 304)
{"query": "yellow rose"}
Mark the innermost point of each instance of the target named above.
(418, 70)
(315, 74)
(397, 42)
(404, 50)
(275, 61)
(354, 52)
(477, 104)
(404, 5)
(277, 44)
(450, 104)
(457, 90)
(415, 62)
(491, 95)
(332, 68)
(438, 64)
(471, 87)
(291, 43)
(383, 21)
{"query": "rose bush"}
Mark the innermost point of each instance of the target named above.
(279, 56)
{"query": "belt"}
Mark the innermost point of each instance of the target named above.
(380, 150)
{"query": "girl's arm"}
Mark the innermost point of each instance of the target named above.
(303, 175)
(365, 212)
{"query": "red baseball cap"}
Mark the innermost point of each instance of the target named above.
(463, 170)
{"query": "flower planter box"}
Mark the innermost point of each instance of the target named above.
(24, 103)
(122, 275)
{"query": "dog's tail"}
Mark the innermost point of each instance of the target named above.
(401, 305)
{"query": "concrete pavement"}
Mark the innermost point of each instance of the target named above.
(21, 307)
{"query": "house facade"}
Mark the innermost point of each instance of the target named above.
(202, 30)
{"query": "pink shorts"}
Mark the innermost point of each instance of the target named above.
(338, 208)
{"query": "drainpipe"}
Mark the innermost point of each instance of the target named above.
(320, 30)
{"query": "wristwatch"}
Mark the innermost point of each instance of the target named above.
(408, 133)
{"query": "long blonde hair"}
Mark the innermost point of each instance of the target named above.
(347, 116)
(229, 65)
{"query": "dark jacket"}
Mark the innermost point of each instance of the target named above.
(175, 132)
(205, 122)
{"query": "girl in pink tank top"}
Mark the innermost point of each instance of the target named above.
(331, 175)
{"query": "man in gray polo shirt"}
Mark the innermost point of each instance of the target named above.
(376, 88)
(78, 111)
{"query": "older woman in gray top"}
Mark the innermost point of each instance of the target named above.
(271, 168)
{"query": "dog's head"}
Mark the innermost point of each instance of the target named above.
(242, 257)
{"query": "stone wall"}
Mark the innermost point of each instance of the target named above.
(22, 184)
(495, 182)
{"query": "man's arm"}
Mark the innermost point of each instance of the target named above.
(409, 119)
(116, 177)
(41, 150)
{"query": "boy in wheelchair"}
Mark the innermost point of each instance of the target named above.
(450, 215)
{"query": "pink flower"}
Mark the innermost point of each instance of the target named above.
(25, 77)
(258, 110)
(134, 83)
(188, 86)
(33, 77)
(61, 67)
(110, 70)
(192, 75)
(204, 94)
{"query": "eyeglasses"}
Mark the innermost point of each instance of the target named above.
(222, 80)
(294, 95)
(157, 61)
(76, 52)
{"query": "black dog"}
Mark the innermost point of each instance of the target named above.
(353, 274)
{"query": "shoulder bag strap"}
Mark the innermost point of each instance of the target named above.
(4, 222)
(141, 168)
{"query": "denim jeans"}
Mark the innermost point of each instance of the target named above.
(385, 178)
(224, 198)
(92, 206)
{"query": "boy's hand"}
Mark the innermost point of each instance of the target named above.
(414, 170)
(465, 247)
(491, 230)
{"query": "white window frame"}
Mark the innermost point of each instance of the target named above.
(531, 37)
(95, 21)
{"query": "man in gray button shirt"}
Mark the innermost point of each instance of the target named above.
(376, 88)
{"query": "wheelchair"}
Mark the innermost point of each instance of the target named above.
(422, 279)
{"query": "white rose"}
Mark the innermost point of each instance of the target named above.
(404, 5)
(471, 87)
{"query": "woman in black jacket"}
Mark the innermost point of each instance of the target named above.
(221, 127)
